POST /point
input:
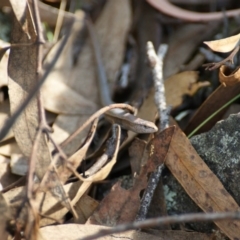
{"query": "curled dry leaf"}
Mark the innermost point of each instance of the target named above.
(59, 171)
(200, 183)
(224, 44)
(105, 170)
(227, 77)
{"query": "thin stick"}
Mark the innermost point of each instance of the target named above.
(192, 217)
(59, 20)
(157, 66)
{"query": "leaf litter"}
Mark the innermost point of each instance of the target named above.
(71, 176)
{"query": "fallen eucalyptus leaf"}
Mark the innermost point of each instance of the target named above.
(224, 44)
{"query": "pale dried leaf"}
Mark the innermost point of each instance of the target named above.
(224, 44)
(59, 98)
(21, 81)
(9, 147)
(50, 206)
(79, 231)
(63, 129)
(20, 9)
(75, 160)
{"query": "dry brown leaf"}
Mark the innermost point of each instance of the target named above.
(125, 203)
(59, 98)
(224, 44)
(85, 208)
(200, 183)
(59, 171)
(50, 207)
(111, 28)
(62, 130)
(227, 77)
(79, 231)
(21, 81)
(186, 83)
(75, 160)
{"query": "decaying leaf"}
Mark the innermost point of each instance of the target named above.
(200, 183)
(224, 44)
(22, 71)
(125, 203)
